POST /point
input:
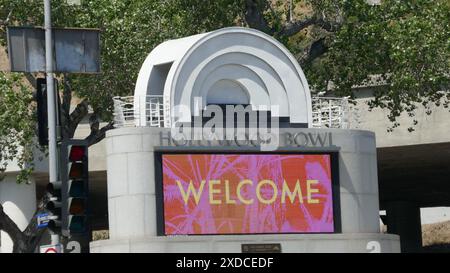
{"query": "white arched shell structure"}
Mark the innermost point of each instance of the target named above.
(228, 66)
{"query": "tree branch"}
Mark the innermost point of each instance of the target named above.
(97, 134)
(31, 79)
(32, 232)
(28, 240)
(8, 225)
(315, 50)
(292, 28)
(65, 108)
(326, 25)
(254, 16)
(6, 21)
(77, 116)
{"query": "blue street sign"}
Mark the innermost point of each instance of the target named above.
(43, 220)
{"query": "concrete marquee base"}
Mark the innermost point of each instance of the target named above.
(292, 243)
(133, 205)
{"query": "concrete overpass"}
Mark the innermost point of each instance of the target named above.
(413, 167)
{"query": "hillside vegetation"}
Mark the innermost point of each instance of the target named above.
(436, 237)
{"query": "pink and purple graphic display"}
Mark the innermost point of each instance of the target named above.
(247, 193)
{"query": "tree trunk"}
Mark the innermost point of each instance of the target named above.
(8, 225)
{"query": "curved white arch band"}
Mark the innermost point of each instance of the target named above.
(189, 68)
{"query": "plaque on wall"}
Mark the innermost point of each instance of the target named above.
(261, 248)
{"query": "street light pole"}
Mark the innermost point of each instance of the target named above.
(51, 107)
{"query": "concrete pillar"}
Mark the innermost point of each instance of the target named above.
(19, 202)
(403, 218)
(131, 186)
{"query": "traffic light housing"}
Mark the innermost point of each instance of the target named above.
(41, 99)
(75, 188)
(54, 206)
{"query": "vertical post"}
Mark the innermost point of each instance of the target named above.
(330, 109)
(54, 238)
(51, 100)
(53, 164)
(403, 218)
(291, 10)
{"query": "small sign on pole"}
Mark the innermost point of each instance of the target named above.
(42, 220)
(58, 248)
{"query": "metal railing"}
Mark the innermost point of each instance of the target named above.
(127, 111)
(327, 112)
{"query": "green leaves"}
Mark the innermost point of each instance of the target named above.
(17, 126)
(406, 43)
(130, 30)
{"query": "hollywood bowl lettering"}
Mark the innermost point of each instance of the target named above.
(286, 139)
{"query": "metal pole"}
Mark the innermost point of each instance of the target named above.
(54, 238)
(53, 164)
(51, 103)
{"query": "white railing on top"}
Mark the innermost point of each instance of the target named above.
(125, 114)
(327, 112)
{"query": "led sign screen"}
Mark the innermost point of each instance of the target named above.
(247, 193)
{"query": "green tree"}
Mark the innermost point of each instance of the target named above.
(404, 44)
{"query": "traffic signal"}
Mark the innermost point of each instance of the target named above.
(54, 206)
(41, 99)
(75, 187)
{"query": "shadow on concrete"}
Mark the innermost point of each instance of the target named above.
(438, 248)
